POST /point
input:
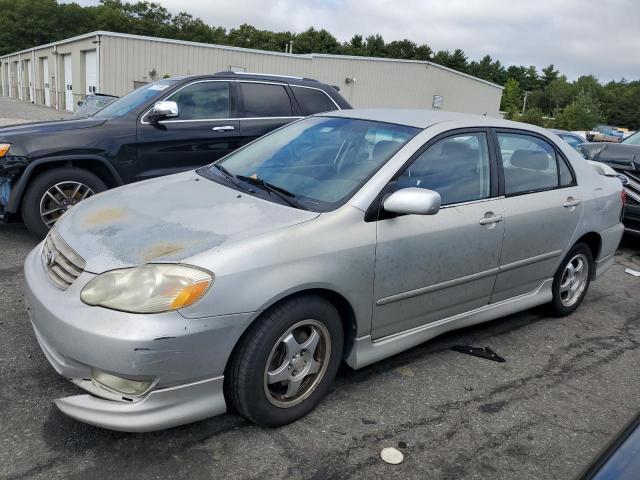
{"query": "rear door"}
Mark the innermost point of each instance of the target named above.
(542, 207)
(206, 129)
(263, 107)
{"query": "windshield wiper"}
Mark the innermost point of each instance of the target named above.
(280, 192)
(230, 176)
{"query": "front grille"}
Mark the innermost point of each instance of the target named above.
(61, 263)
(632, 188)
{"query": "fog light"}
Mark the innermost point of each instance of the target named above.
(120, 385)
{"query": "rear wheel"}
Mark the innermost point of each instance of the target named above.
(53, 192)
(571, 281)
(286, 361)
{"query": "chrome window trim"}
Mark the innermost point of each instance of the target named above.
(319, 89)
(144, 122)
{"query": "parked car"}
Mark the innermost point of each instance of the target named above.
(620, 460)
(571, 138)
(351, 235)
(624, 157)
(168, 126)
(92, 103)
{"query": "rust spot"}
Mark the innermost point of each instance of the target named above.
(161, 249)
(104, 216)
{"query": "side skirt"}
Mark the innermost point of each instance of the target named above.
(367, 351)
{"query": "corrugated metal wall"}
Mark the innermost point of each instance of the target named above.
(125, 60)
(378, 83)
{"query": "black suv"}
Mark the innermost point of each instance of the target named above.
(164, 127)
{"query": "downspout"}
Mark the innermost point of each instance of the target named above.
(19, 72)
(55, 56)
(98, 87)
(33, 76)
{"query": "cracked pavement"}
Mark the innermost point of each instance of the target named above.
(568, 385)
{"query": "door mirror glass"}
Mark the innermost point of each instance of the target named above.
(413, 201)
(163, 110)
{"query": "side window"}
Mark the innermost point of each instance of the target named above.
(566, 177)
(265, 100)
(312, 100)
(203, 101)
(456, 167)
(529, 163)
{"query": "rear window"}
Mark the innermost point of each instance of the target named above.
(312, 100)
(265, 100)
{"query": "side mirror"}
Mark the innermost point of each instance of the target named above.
(413, 201)
(162, 111)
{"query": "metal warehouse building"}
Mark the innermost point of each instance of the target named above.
(60, 74)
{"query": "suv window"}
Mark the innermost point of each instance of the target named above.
(312, 100)
(265, 100)
(456, 167)
(529, 163)
(203, 101)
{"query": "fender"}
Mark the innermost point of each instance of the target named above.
(21, 184)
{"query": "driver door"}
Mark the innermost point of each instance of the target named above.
(206, 129)
(430, 267)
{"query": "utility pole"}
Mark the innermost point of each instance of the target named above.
(524, 105)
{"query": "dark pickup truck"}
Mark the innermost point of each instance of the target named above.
(165, 127)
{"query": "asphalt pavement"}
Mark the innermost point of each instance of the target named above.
(566, 387)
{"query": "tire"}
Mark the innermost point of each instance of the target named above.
(36, 195)
(264, 350)
(566, 298)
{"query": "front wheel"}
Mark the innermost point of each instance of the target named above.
(286, 361)
(571, 281)
(53, 192)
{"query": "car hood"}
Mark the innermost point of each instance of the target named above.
(167, 219)
(49, 127)
(616, 155)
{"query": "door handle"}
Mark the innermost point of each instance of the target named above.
(490, 219)
(224, 128)
(571, 202)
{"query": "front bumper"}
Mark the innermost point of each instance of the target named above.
(184, 357)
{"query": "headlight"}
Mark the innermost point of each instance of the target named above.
(4, 148)
(150, 288)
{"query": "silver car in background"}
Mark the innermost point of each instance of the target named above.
(347, 236)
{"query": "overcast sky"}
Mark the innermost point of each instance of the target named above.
(577, 36)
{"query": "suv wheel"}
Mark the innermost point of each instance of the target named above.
(53, 192)
(286, 362)
(571, 281)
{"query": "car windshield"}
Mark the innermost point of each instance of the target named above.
(134, 99)
(316, 163)
(633, 139)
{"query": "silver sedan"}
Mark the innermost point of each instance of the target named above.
(348, 236)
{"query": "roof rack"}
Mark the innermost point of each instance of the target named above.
(231, 72)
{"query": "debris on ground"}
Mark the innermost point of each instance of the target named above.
(391, 455)
(481, 352)
(630, 271)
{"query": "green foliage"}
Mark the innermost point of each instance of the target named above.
(28, 23)
(512, 97)
(583, 113)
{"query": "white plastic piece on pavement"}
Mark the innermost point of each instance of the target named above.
(635, 273)
(391, 455)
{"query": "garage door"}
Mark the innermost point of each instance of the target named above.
(45, 83)
(91, 78)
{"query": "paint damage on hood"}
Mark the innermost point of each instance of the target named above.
(167, 219)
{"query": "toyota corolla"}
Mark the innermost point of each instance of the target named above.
(348, 236)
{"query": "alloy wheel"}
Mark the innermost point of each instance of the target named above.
(574, 280)
(59, 198)
(297, 363)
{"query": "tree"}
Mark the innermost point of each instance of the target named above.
(559, 93)
(549, 74)
(582, 114)
(512, 98)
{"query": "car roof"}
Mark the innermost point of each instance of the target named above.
(423, 118)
